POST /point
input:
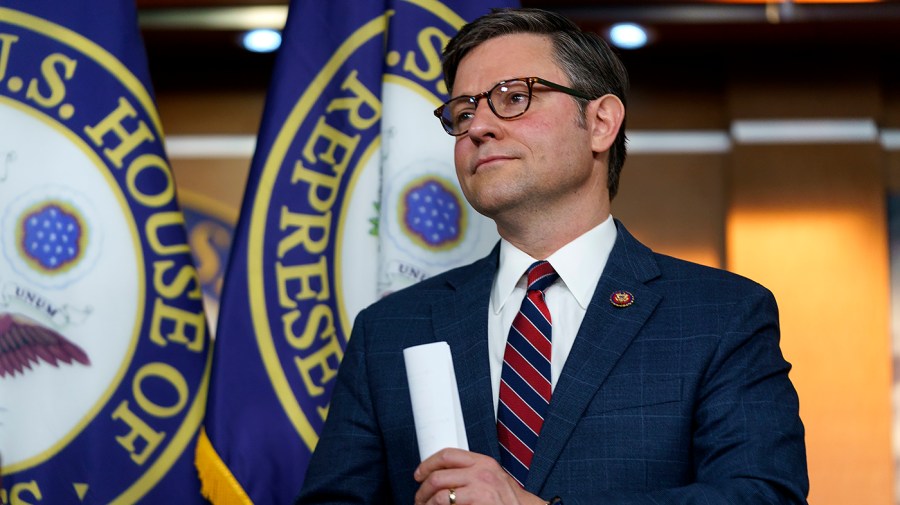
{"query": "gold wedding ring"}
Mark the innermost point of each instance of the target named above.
(452, 497)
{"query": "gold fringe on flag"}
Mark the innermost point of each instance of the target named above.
(217, 484)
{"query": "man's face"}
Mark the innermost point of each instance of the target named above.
(541, 162)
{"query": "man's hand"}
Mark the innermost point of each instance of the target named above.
(475, 479)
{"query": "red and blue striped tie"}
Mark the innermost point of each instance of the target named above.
(525, 377)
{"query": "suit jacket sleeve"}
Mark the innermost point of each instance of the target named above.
(348, 464)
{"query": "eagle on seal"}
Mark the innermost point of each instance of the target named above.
(24, 341)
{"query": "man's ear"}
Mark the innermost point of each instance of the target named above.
(605, 116)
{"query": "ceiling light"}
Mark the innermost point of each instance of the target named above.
(628, 35)
(262, 40)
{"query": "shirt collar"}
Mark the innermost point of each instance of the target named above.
(578, 263)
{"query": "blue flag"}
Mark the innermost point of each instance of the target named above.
(210, 229)
(103, 345)
(351, 195)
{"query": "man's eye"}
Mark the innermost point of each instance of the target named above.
(512, 99)
(518, 97)
(464, 116)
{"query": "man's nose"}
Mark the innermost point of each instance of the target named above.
(484, 121)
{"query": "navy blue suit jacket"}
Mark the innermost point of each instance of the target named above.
(681, 398)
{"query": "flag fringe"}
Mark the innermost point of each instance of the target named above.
(217, 484)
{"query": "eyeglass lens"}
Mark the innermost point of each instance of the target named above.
(507, 100)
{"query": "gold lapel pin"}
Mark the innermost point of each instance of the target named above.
(621, 298)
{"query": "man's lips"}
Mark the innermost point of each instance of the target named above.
(486, 160)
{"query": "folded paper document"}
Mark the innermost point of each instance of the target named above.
(435, 398)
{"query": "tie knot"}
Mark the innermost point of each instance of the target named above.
(541, 275)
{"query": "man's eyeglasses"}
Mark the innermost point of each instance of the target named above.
(507, 100)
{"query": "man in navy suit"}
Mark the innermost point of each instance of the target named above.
(668, 383)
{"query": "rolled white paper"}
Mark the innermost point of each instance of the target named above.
(437, 412)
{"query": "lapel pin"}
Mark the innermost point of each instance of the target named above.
(621, 298)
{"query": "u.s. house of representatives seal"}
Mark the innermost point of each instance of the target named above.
(102, 336)
(361, 136)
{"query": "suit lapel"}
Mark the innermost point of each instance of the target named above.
(461, 321)
(605, 333)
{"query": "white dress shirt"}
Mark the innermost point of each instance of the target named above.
(579, 265)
